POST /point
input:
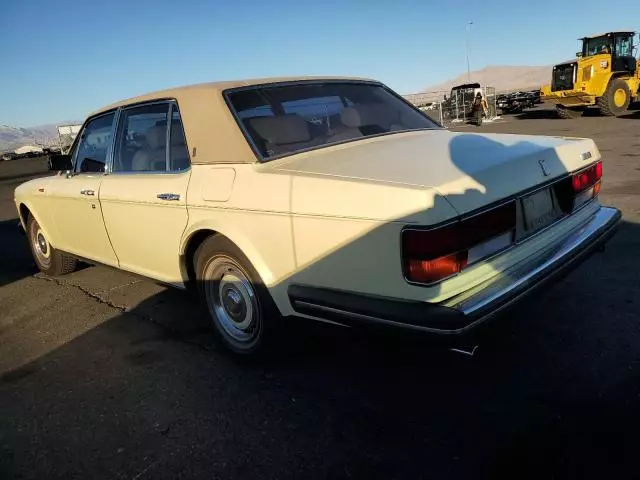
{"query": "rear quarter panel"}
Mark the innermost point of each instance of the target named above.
(251, 209)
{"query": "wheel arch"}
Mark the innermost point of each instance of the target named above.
(196, 235)
(25, 210)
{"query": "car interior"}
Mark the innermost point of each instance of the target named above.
(323, 114)
(147, 151)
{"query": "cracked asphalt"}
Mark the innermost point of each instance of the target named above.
(106, 375)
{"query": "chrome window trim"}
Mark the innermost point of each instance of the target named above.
(110, 153)
(167, 139)
(262, 159)
(173, 172)
(172, 105)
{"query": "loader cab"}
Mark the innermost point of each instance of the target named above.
(617, 44)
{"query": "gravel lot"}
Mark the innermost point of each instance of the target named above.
(106, 375)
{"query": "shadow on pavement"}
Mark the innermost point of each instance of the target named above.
(634, 115)
(538, 114)
(148, 392)
(17, 262)
(549, 113)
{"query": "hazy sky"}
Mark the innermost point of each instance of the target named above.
(62, 59)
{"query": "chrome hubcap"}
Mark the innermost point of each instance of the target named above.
(42, 244)
(41, 247)
(232, 301)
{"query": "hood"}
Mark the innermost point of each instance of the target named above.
(470, 170)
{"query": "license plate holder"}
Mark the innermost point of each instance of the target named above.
(539, 210)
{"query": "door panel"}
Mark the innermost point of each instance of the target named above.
(73, 199)
(144, 199)
(78, 219)
(145, 230)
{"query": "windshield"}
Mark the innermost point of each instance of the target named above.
(281, 120)
(596, 46)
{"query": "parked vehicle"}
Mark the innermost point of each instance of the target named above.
(515, 102)
(606, 75)
(331, 199)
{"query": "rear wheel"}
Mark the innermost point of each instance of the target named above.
(567, 112)
(235, 299)
(616, 99)
(49, 260)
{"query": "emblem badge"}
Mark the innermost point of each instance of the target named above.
(586, 155)
(544, 168)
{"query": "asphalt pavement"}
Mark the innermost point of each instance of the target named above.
(106, 375)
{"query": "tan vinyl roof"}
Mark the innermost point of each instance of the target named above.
(213, 136)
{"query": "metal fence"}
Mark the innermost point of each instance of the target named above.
(456, 108)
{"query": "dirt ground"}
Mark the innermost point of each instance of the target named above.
(106, 375)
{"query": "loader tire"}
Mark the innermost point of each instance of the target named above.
(615, 100)
(567, 113)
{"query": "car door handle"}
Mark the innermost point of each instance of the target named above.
(87, 191)
(169, 196)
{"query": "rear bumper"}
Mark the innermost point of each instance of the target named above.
(467, 311)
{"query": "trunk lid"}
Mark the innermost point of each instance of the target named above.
(470, 170)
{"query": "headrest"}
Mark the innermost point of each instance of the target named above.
(282, 129)
(156, 136)
(369, 114)
(350, 117)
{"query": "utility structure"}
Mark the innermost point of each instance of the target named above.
(468, 48)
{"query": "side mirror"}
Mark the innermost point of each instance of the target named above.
(60, 163)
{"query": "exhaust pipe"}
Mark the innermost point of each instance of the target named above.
(468, 350)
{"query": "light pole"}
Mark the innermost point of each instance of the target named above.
(468, 48)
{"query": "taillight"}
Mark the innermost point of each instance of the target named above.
(586, 184)
(432, 255)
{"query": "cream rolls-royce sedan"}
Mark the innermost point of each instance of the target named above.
(332, 199)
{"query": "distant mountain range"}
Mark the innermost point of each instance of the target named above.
(502, 78)
(14, 137)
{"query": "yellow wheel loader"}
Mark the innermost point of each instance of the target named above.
(606, 75)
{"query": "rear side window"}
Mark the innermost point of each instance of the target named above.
(281, 120)
(145, 142)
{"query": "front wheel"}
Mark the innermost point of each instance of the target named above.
(616, 99)
(49, 260)
(235, 299)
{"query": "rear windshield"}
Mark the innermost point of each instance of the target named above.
(281, 120)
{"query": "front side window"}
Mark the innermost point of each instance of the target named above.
(284, 119)
(624, 46)
(141, 145)
(93, 144)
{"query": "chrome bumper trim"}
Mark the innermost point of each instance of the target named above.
(516, 281)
